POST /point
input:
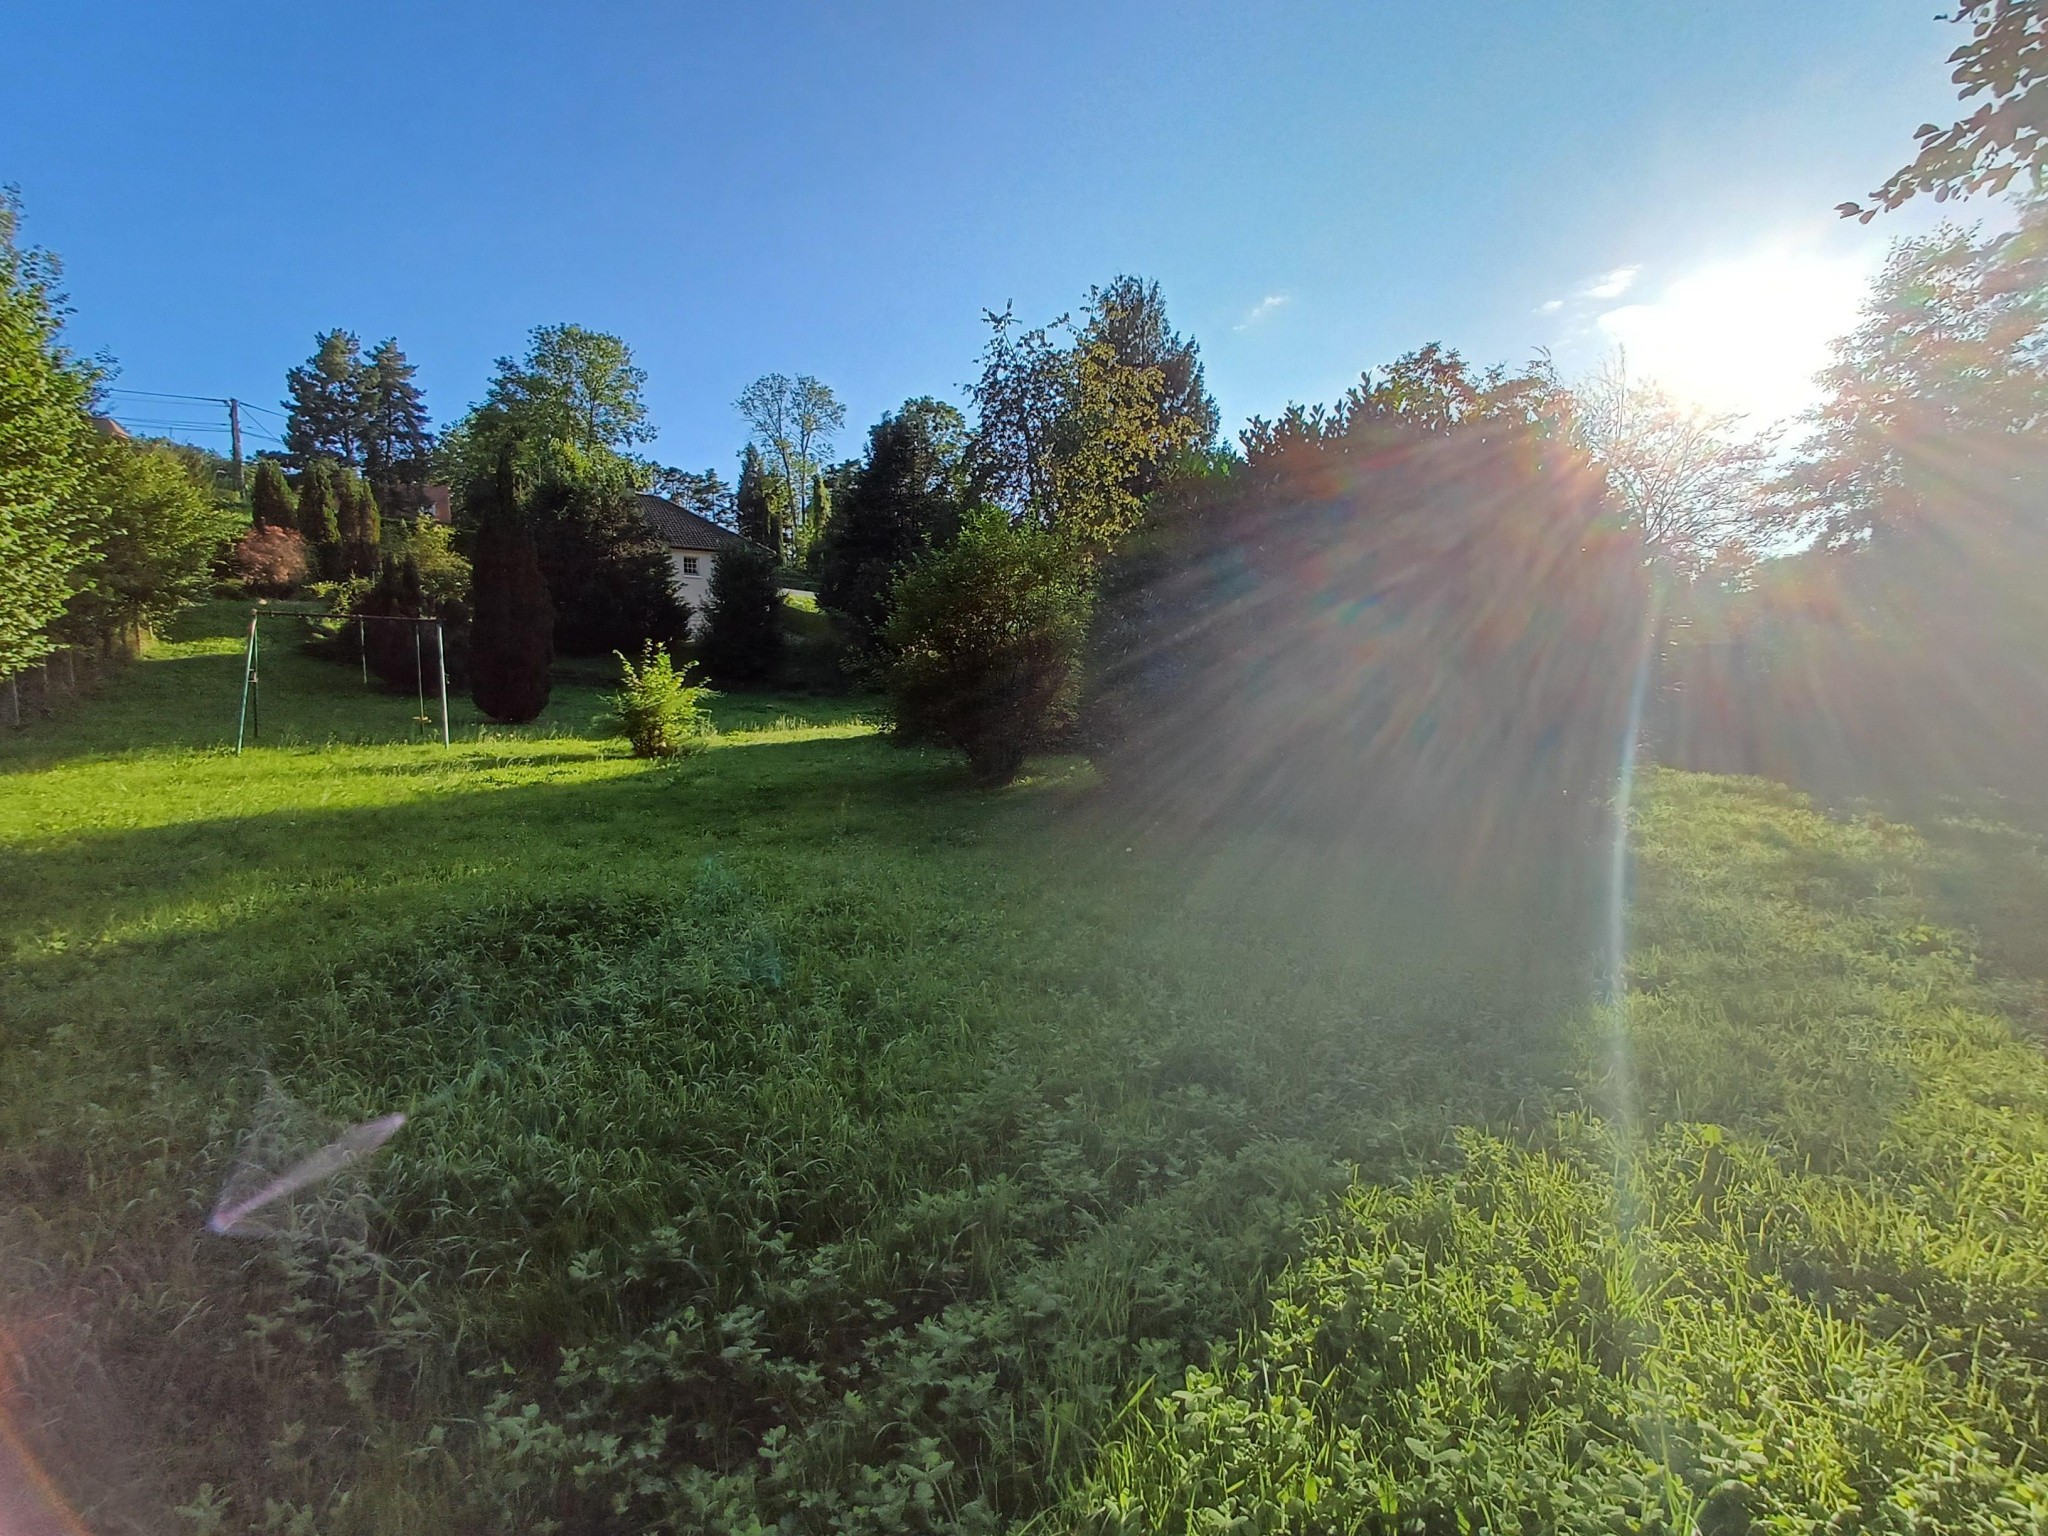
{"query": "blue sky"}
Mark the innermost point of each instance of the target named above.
(841, 190)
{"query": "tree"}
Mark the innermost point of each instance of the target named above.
(511, 644)
(392, 650)
(358, 526)
(271, 503)
(156, 532)
(2005, 61)
(743, 620)
(1069, 435)
(607, 574)
(985, 643)
(1430, 392)
(902, 500)
(395, 440)
(317, 514)
(1411, 620)
(793, 422)
(1691, 488)
(753, 504)
(574, 386)
(324, 403)
(1130, 314)
(703, 492)
(45, 450)
(1935, 401)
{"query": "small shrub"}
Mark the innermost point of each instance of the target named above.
(658, 709)
(272, 562)
(986, 639)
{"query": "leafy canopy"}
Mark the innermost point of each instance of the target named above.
(46, 450)
(2006, 63)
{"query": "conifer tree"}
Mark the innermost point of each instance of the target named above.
(316, 516)
(752, 504)
(271, 503)
(324, 402)
(743, 620)
(396, 441)
(357, 523)
(511, 635)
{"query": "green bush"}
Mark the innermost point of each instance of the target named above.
(986, 639)
(657, 708)
(743, 638)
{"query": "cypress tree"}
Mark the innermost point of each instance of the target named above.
(316, 515)
(271, 503)
(743, 620)
(360, 529)
(511, 633)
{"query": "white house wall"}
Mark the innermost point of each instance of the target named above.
(692, 588)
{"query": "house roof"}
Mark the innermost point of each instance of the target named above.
(680, 528)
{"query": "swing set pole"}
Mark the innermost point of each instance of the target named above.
(441, 666)
(248, 673)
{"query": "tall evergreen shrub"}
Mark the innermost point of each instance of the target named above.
(511, 632)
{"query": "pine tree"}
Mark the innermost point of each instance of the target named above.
(743, 620)
(271, 503)
(392, 650)
(316, 516)
(396, 441)
(324, 403)
(752, 503)
(511, 642)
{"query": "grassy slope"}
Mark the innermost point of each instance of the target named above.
(796, 1132)
(1794, 1278)
(801, 1136)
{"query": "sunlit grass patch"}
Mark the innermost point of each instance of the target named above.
(1799, 1284)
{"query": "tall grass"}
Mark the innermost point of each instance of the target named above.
(1796, 1286)
(798, 1136)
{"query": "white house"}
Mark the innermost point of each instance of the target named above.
(694, 545)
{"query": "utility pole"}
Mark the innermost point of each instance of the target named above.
(235, 433)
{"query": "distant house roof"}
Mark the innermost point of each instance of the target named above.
(680, 528)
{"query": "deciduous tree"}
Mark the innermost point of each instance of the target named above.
(1689, 483)
(793, 422)
(2005, 62)
(985, 643)
(45, 450)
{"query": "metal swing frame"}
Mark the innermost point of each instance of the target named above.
(249, 720)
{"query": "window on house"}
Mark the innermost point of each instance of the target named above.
(689, 565)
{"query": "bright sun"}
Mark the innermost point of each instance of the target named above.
(1745, 335)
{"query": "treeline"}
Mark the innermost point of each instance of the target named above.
(101, 537)
(1904, 650)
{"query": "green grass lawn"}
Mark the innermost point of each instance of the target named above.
(803, 1139)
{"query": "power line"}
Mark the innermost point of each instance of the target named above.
(157, 394)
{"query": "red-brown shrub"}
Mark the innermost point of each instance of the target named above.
(272, 562)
